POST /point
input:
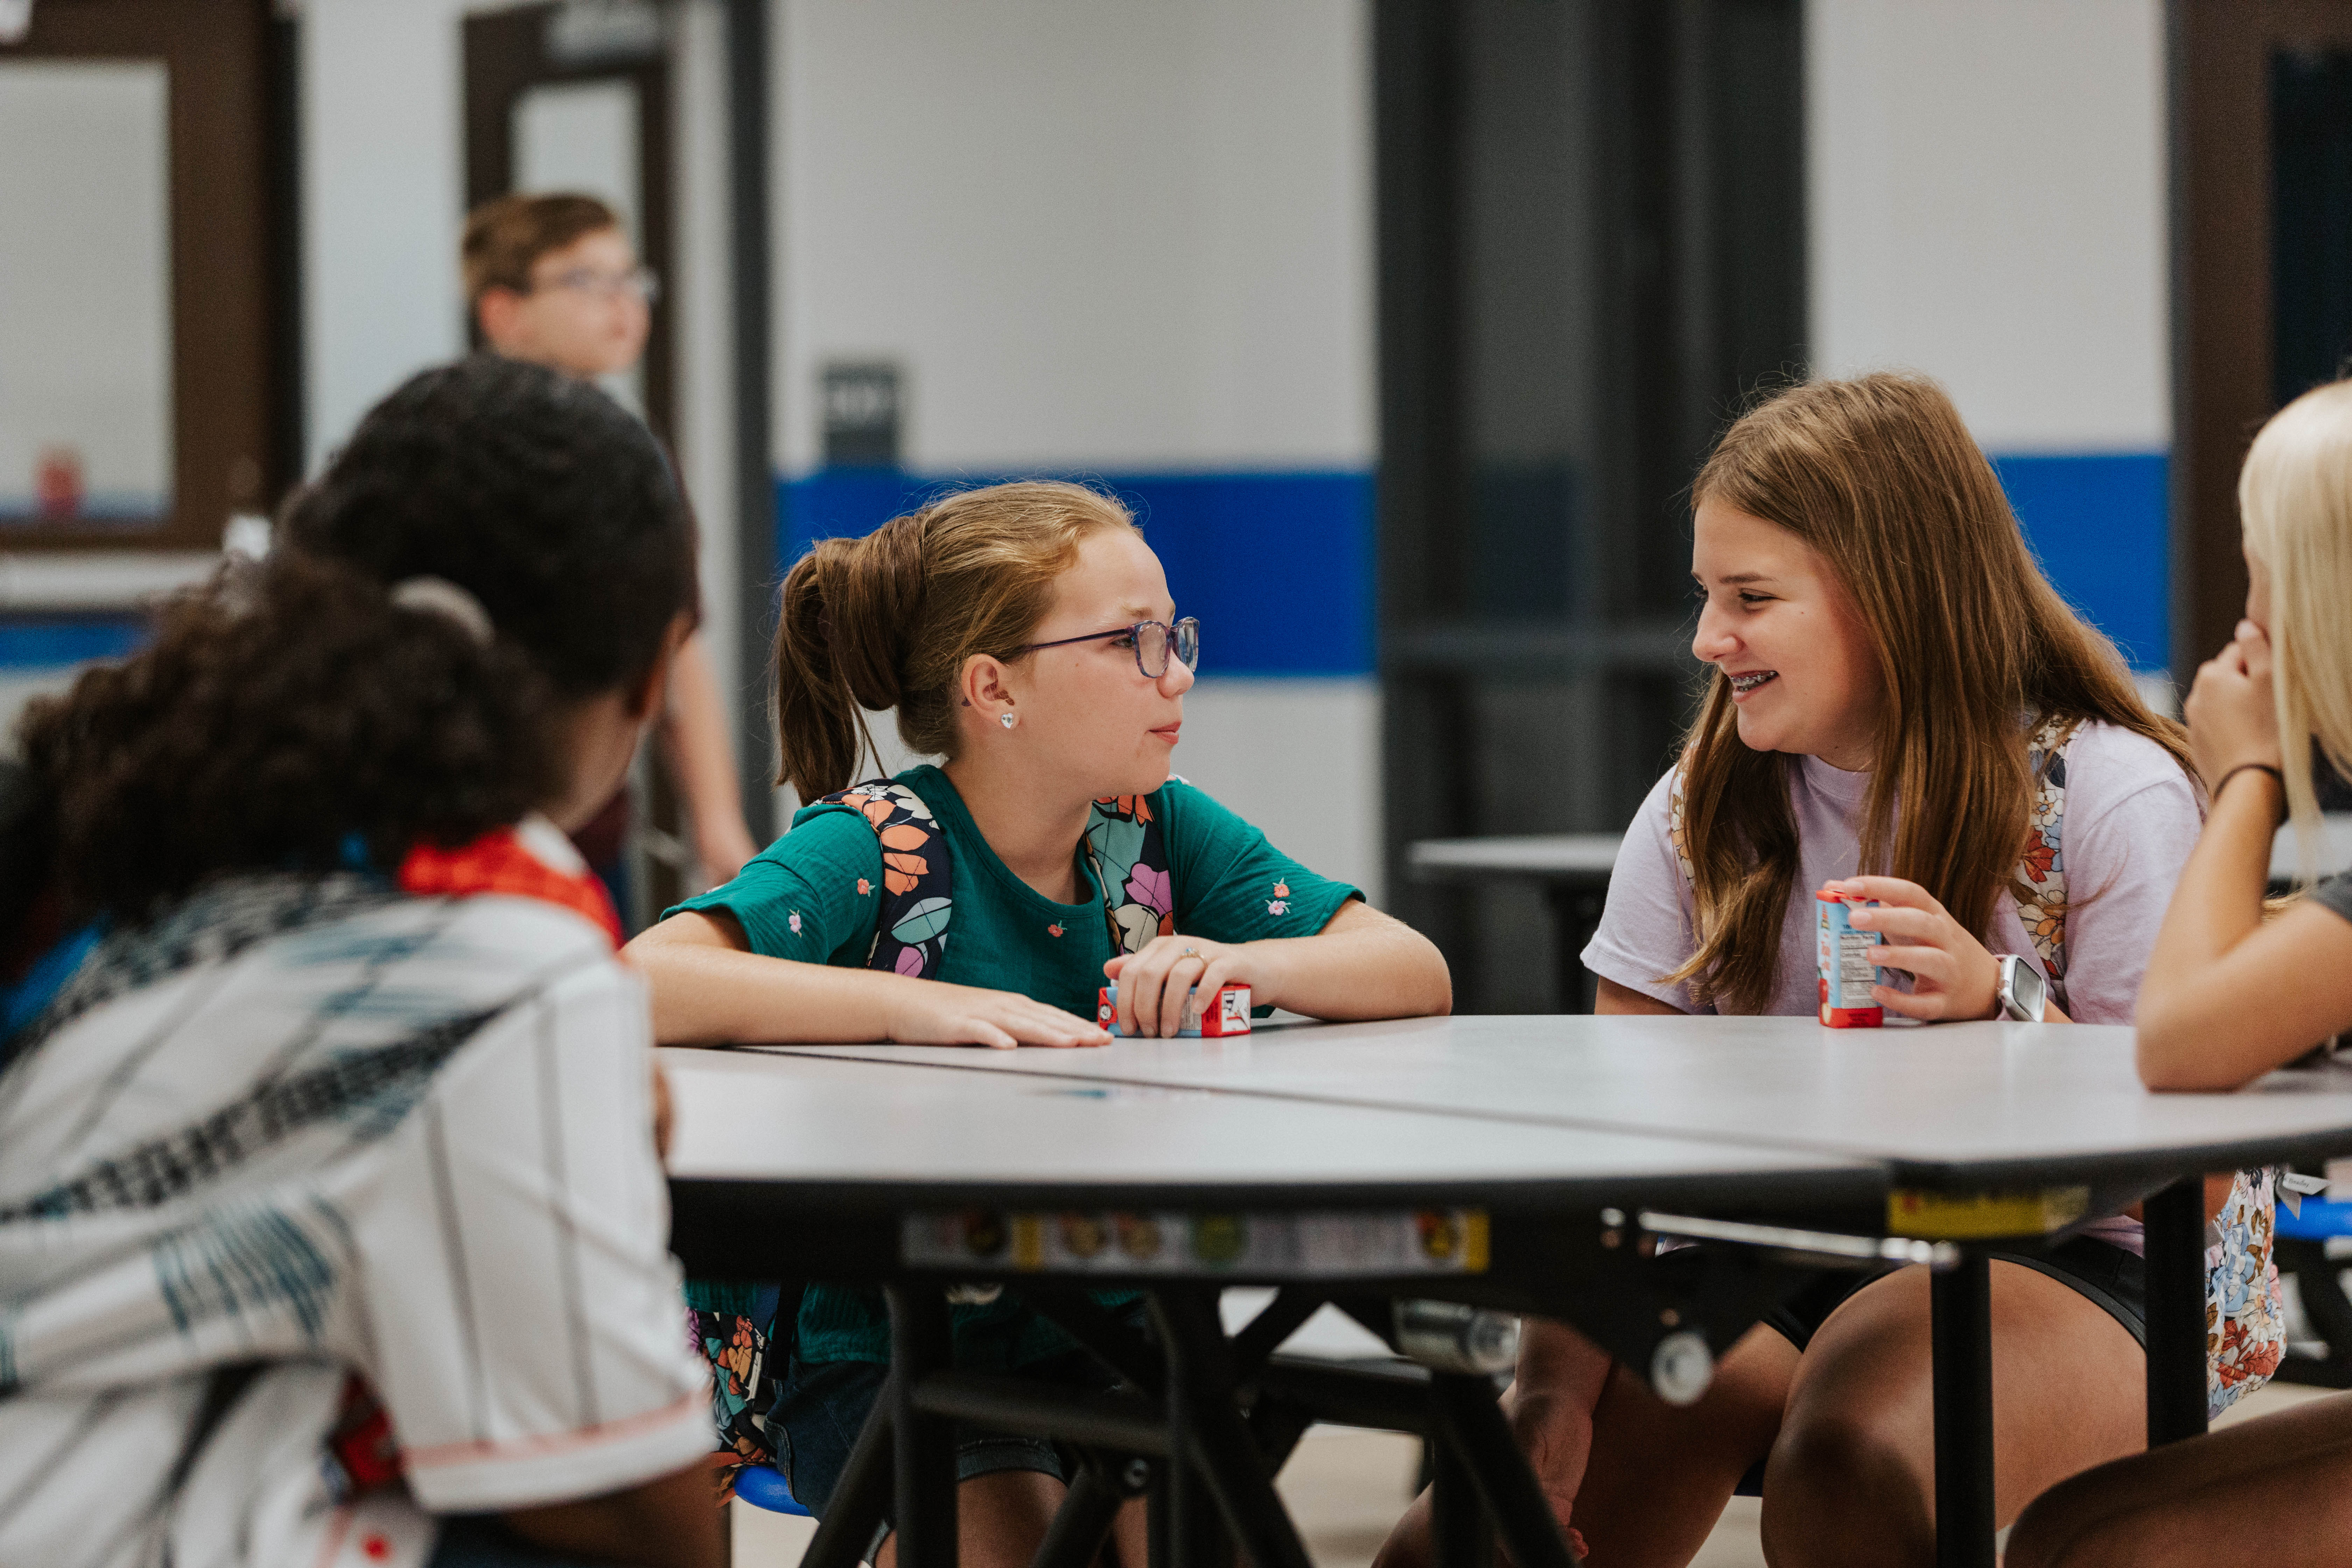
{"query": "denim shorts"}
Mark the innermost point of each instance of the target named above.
(2106, 1275)
(825, 1405)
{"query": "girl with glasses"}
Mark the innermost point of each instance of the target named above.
(1024, 635)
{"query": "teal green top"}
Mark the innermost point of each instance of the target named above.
(815, 895)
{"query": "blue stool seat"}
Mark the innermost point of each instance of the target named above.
(2321, 1218)
(764, 1486)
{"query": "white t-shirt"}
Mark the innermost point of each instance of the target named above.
(314, 1129)
(2131, 818)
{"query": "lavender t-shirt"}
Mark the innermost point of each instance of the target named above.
(2131, 819)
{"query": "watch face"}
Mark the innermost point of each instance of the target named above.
(2027, 993)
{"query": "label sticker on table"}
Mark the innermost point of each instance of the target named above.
(1947, 1216)
(1318, 1246)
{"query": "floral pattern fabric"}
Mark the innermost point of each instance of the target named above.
(2245, 1304)
(1128, 854)
(2038, 883)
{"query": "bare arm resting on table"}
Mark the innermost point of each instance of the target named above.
(2228, 998)
(709, 989)
(1361, 965)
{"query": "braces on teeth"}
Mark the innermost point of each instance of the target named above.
(1750, 682)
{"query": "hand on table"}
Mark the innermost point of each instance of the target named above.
(2232, 719)
(932, 1012)
(1953, 975)
(1154, 984)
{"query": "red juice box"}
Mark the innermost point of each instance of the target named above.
(1227, 1012)
(1847, 974)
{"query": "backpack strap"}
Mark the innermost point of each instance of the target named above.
(910, 932)
(1128, 854)
(2038, 883)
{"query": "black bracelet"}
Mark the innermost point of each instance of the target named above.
(2223, 783)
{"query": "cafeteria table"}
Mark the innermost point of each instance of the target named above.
(919, 1178)
(1993, 1136)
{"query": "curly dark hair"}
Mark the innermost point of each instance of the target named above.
(549, 502)
(291, 717)
(284, 717)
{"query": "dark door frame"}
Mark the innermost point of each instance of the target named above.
(2222, 304)
(506, 55)
(235, 403)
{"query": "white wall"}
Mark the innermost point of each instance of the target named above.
(1118, 233)
(1987, 189)
(1120, 237)
(383, 197)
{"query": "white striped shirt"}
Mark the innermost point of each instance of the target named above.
(311, 1129)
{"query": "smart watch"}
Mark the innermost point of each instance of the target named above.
(2022, 994)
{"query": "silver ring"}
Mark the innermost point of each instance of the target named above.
(1191, 953)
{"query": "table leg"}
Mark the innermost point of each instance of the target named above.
(2175, 1221)
(1213, 1459)
(1083, 1521)
(1961, 1304)
(1464, 1538)
(861, 1499)
(1470, 1425)
(923, 1444)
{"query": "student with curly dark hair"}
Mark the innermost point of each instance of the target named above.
(332, 1219)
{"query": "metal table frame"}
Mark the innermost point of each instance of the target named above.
(1209, 1370)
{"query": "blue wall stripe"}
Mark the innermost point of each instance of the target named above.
(40, 643)
(2101, 525)
(1277, 565)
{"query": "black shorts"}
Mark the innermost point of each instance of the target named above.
(2106, 1275)
(825, 1405)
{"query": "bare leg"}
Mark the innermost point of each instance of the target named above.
(1001, 1517)
(2276, 1492)
(1659, 1474)
(1852, 1479)
(1560, 1380)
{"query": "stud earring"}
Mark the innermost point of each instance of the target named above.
(1005, 719)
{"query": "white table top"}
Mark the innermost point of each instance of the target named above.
(814, 1123)
(1984, 1101)
(1594, 855)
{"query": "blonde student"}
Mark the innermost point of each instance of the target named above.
(1024, 635)
(1900, 707)
(2229, 997)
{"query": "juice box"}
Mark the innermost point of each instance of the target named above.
(1227, 1012)
(1847, 974)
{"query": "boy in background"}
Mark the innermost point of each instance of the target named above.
(553, 279)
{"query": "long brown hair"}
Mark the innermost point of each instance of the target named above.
(1880, 476)
(886, 621)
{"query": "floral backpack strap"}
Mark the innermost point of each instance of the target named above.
(1675, 828)
(2245, 1304)
(2038, 883)
(740, 1330)
(1128, 853)
(910, 932)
